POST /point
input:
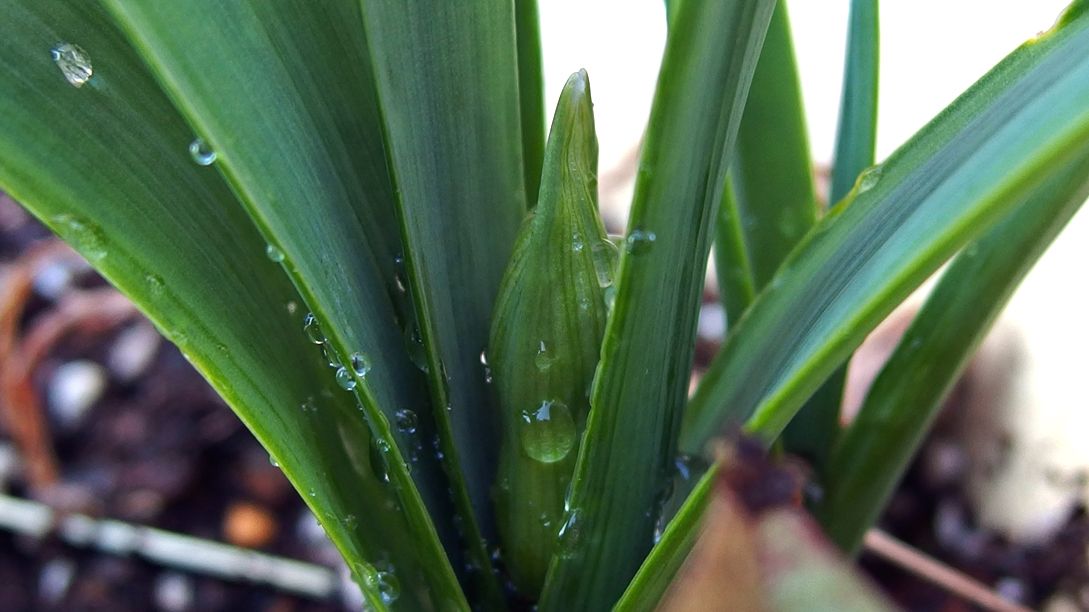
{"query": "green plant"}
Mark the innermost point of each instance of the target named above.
(317, 201)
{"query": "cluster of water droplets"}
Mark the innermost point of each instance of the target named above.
(359, 363)
(381, 580)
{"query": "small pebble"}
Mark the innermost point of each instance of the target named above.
(54, 580)
(73, 390)
(249, 525)
(133, 351)
(173, 592)
(712, 322)
(53, 280)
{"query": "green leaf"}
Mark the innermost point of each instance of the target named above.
(447, 80)
(904, 399)
(857, 132)
(646, 357)
(670, 552)
(546, 334)
(772, 176)
(530, 94)
(106, 165)
(814, 429)
(996, 144)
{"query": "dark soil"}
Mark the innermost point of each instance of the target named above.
(160, 449)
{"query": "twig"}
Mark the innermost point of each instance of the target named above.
(184, 552)
(895, 551)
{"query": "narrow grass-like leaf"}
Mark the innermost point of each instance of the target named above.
(546, 334)
(530, 94)
(646, 357)
(104, 161)
(668, 555)
(903, 400)
(814, 429)
(772, 176)
(857, 131)
(447, 79)
(995, 145)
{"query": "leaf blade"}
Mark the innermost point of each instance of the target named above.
(647, 352)
(990, 147)
(79, 158)
(875, 449)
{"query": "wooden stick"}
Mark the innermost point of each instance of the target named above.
(956, 582)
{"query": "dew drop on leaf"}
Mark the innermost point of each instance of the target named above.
(74, 63)
(201, 152)
(360, 363)
(547, 431)
(406, 420)
(640, 241)
(344, 379)
(605, 256)
(543, 359)
(570, 534)
(274, 254)
(83, 235)
(313, 329)
(869, 178)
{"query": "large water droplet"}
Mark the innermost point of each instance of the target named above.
(313, 329)
(202, 153)
(85, 236)
(344, 379)
(274, 254)
(547, 431)
(605, 256)
(330, 356)
(73, 62)
(869, 179)
(416, 352)
(640, 241)
(543, 359)
(360, 363)
(406, 420)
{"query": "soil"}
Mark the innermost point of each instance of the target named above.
(159, 448)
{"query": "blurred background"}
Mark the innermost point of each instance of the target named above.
(126, 484)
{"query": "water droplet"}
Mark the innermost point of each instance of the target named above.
(605, 256)
(543, 360)
(272, 461)
(274, 254)
(292, 307)
(416, 352)
(312, 492)
(344, 379)
(547, 432)
(379, 463)
(202, 153)
(155, 284)
(610, 297)
(360, 363)
(406, 420)
(330, 356)
(313, 329)
(350, 521)
(576, 242)
(73, 62)
(570, 534)
(869, 179)
(83, 235)
(387, 585)
(640, 241)
(309, 405)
